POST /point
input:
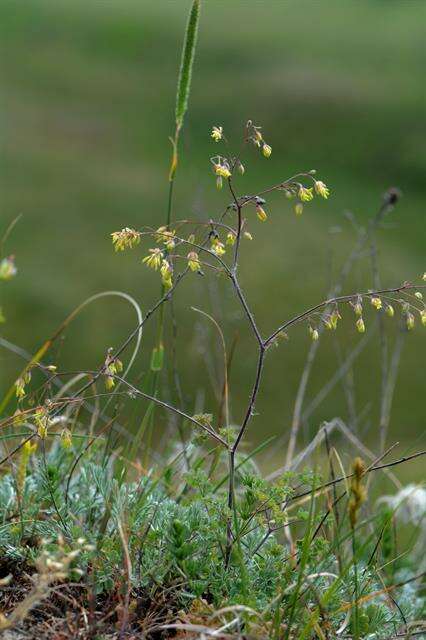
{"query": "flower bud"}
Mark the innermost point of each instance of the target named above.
(376, 302)
(193, 261)
(360, 325)
(266, 150)
(217, 133)
(321, 189)
(305, 194)
(358, 309)
(217, 247)
(230, 238)
(314, 334)
(261, 213)
(410, 321)
(335, 316)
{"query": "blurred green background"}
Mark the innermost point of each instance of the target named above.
(86, 110)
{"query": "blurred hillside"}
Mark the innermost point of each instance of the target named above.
(86, 111)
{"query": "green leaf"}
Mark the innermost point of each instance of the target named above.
(188, 53)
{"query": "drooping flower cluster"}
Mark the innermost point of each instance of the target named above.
(154, 258)
(21, 383)
(222, 170)
(42, 421)
(329, 318)
(112, 367)
(125, 239)
(166, 272)
(193, 261)
(217, 247)
(254, 135)
(304, 194)
(232, 227)
(164, 236)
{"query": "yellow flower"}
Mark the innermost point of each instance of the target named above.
(222, 170)
(321, 189)
(217, 247)
(193, 261)
(42, 421)
(166, 237)
(305, 195)
(154, 259)
(170, 242)
(314, 334)
(360, 325)
(217, 133)
(335, 316)
(166, 274)
(358, 308)
(230, 238)
(126, 238)
(261, 213)
(298, 208)
(266, 150)
(20, 388)
(376, 302)
(112, 367)
(21, 383)
(390, 310)
(247, 235)
(159, 234)
(410, 321)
